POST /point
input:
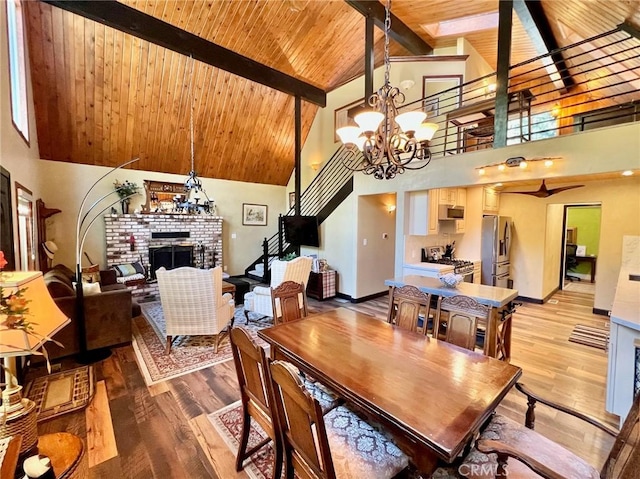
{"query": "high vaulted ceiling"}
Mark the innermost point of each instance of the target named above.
(103, 97)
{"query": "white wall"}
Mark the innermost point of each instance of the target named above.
(65, 184)
(620, 201)
(16, 155)
(552, 259)
(375, 259)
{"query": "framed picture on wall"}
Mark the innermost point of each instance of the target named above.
(292, 199)
(254, 215)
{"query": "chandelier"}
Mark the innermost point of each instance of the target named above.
(192, 182)
(389, 141)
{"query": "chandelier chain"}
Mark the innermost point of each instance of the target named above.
(387, 27)
(191, 114)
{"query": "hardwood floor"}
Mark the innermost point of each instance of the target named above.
(135, 431)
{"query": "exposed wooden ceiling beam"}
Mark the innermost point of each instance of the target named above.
(535, 22)
(399, 31)
(154, 30)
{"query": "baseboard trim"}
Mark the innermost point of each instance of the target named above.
(601, 312)
(526, 299)
(344, 296)
(548, 297)
(371, 296)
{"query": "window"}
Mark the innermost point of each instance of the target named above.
(17, 68)
(543, 125)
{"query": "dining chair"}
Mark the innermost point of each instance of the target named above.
(464, 314)
(524, 453)
(407, 305)
(338, 445)
(288, 302)
(254, 379)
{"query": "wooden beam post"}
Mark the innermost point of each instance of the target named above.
(369, 55)
(502, 77)
(535, 22)
(134, 22)
(298, 146)
(399, 31)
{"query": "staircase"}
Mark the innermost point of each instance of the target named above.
(331, 186)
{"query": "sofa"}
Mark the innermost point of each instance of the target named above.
(108, 312)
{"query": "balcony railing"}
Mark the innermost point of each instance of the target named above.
(604, 74)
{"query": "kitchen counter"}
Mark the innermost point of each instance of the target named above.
(624, 345)
(437, 267)
(488, 295)
(626, 303)
(497, 342)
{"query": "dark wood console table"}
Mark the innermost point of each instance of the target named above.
(476, 119)
(592, 261)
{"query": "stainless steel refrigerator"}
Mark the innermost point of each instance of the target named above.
(496, 244)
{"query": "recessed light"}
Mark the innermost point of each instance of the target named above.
(627, 173)
(481, 171)
(501, 167)
(523, 164)
(498, 185)
(548, 163)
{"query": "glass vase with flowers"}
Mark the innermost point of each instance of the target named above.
(125, 191)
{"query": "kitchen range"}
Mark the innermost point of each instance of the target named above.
(438, 260)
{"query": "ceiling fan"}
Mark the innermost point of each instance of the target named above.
(544, 192)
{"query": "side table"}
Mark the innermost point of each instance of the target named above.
(322, 285)
(67, 453)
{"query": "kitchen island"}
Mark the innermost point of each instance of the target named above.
(623, 377)
(498, 332)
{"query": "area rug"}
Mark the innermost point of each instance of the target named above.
(60, 393)
(188, 353)
(228, 422)
(590, 336)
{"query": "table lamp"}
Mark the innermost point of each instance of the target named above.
(18, 414)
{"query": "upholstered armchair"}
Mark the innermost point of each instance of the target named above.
(193, 303)
(259, 300)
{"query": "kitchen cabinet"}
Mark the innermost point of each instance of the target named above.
(452, 196)
(461, 198)
(423, 206)
(422, 219)
(477, 272)
(432, 220)
(490, 201)
(447, 196)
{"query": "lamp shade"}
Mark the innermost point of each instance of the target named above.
(44, 315)
(348, 134)
(426, 131)
(369, 121)
(410, 121)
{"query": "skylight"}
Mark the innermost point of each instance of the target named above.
(460, 26)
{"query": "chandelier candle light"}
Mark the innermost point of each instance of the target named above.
(389, 141)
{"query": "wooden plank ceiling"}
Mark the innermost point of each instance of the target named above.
(103, 97)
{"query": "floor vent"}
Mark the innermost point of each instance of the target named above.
(553, 301)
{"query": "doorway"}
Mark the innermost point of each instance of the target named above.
(581, 242)
(26, 232)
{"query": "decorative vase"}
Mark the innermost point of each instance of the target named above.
(125, 206)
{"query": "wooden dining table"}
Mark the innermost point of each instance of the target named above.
(431, 395)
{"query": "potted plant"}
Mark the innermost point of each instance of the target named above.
(125, 191)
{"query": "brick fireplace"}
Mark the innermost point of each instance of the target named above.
(201, 234)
